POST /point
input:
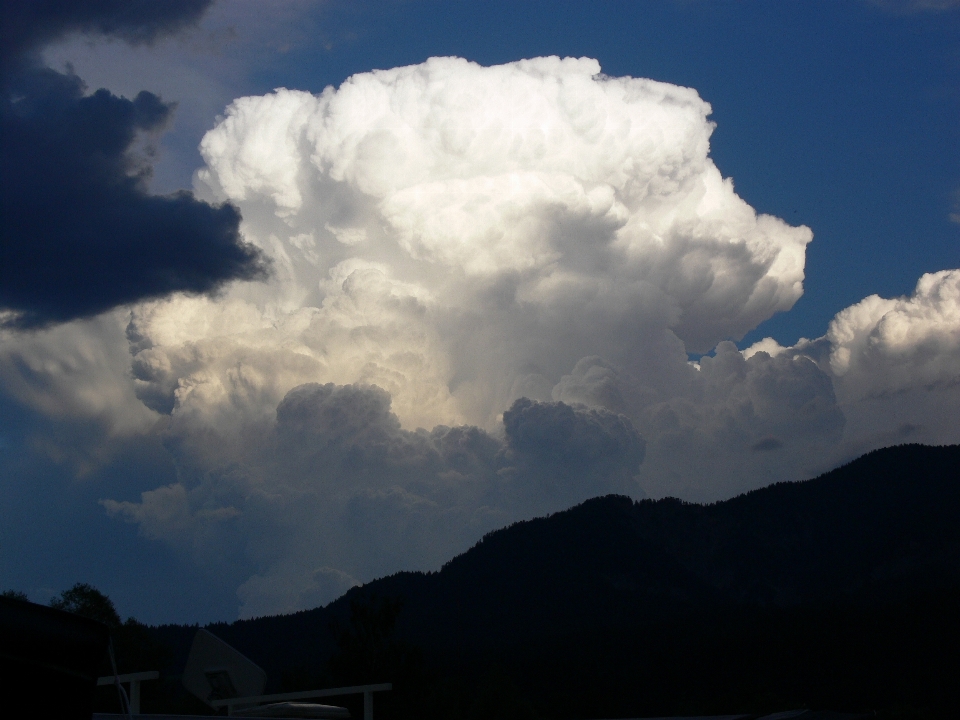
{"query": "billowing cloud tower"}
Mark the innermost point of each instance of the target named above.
(462, 236)
(485, 285)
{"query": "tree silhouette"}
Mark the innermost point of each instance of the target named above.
(369, 651)
(84, 599)
(366, 651)
(136, 646)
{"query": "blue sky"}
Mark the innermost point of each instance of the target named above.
(843, 117)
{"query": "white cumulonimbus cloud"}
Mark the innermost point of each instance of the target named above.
(486, 283)
(462, 235)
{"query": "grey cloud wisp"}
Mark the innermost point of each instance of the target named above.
(27, 24)
(80, 233)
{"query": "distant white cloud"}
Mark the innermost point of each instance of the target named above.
(955, 214)
(881, 346)
(896, 364)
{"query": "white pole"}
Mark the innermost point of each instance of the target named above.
(367, 705)
(134, 697)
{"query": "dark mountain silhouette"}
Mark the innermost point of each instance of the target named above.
(841, 592)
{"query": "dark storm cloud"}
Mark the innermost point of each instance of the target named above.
(559, 450)
(80, 233)
(353, 427)
(557, 432)
(322, 416)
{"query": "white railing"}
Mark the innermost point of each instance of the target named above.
(134, 679)
(367, 691)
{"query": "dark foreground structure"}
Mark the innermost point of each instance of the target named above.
(49, 660)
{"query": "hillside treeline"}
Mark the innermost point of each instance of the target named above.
(838, 593)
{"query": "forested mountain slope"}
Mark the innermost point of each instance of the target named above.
(841, 592)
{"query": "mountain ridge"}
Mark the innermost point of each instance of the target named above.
(866, 556)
